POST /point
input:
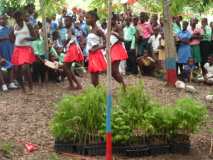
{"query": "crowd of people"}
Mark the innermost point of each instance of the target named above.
(76, 39)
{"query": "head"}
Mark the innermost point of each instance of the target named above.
(104, 24)
(191, 61)
(68, 21)
(91, 17)
(135, 20)
(144, 17)
(204, 21)
(55, 35)
(146, 53)
(19, 17)
(40, 25)
(154, 19)
(193, 22)
(114, 19)
(156, 30)
(31, 8)
(3, 20)
(128, 21)
(185, 25)
(81, 17)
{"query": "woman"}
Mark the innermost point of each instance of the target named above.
(97, 63)
(184, 50)
(6, 50)
(118, 52)
(74, 54)
(23, 56)
(195, 41)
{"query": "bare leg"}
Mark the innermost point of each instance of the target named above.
(19, 75)
(28, 75)
(95, 79)
(69, 76)
(116, 74)
(1, 78)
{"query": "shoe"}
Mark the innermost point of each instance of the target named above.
(4, 88)
(12, 86)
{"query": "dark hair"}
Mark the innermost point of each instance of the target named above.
(94, 14)
(17, 14)
(69, 17)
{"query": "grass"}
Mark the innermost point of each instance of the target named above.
(6, 148)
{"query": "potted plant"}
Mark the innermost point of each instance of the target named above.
(189, 116)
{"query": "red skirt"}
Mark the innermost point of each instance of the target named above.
(23, 55)
(118, 52)
(97, 62)
(74, 54)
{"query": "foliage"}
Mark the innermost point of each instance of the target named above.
(101, 6)
(13, 5)
(185, 117)
(190, 115)
(135, 102)
(78, 118)
(51, 7)
(81, 119)
(121, 130)
(6, 148)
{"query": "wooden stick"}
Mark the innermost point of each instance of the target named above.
(109, 87)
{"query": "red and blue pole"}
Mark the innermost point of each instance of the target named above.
(109, 87)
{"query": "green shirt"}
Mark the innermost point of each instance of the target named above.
(207, 33)
(38, 47)
(129, 35)
(176, 29)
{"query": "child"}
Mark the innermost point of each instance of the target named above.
(117, 52)
(23, 56)
(184, 49)
(208, 74)
(74, 54)
(97, 63)
(154, 41)
(162, 54)
(6, 50)
(146, 64)
(188, 70)
(39, 69)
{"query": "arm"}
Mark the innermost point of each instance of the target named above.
(33, 34)
(118, 32)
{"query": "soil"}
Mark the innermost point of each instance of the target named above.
(25, 119)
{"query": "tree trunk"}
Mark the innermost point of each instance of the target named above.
(44, 28)
(170, 49)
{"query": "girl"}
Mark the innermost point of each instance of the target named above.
(74, 54)
(6, 50)
(184, 49)
(97, 62)
(195, 41)
(118, 52)
(23, 56)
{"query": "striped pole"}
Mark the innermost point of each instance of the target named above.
(170, 49)
(109, 87)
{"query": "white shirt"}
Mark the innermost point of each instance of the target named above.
(209, 70)
(21, 35)
(155, 42)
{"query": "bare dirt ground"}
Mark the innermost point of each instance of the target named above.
(25, 118)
